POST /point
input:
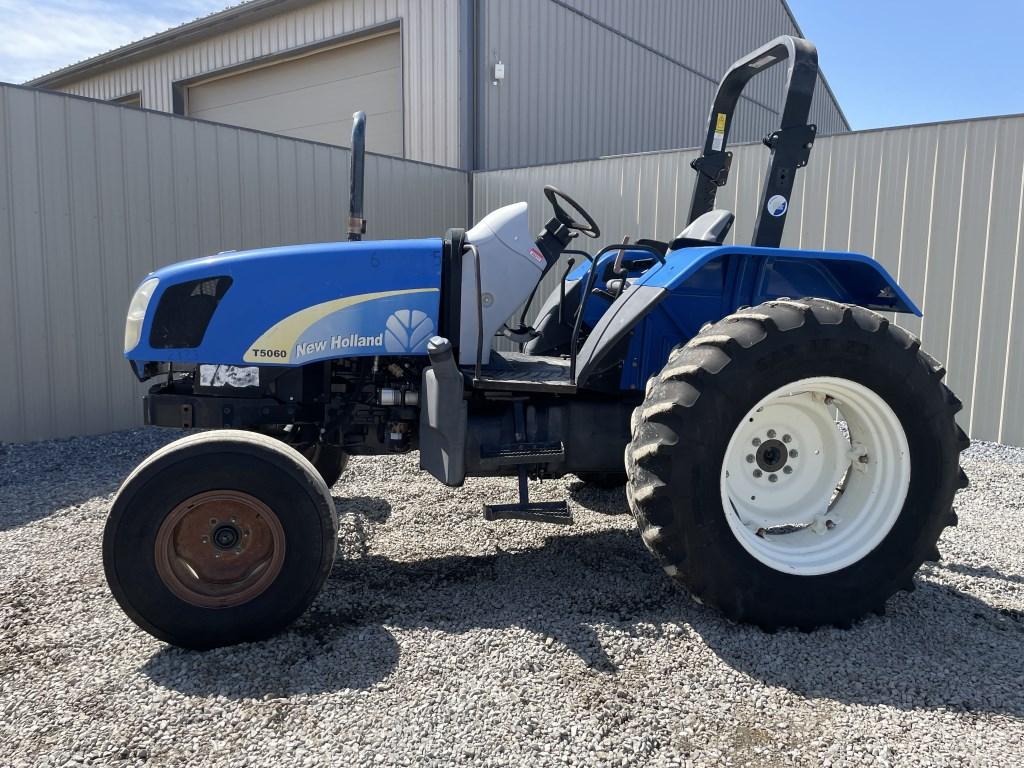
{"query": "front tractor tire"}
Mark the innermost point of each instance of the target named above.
(794, 464)
(219, 538)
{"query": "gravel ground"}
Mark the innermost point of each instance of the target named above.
(442, 639)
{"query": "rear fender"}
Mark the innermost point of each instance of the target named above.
(699, 285)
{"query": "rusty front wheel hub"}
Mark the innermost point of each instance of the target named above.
(219, 549)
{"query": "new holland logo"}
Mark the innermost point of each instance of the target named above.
(352, 341)
(777, 205)
(406, 330)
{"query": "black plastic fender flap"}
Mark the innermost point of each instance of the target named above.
(625, 313)
(443, 416)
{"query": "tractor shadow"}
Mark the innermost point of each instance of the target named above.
(606, 501)
(938, 647)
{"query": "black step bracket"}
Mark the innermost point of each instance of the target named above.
(515, 454)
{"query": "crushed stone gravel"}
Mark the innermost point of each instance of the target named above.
(442, 639)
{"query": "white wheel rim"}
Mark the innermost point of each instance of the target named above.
(803, 496)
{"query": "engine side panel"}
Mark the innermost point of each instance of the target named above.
(298, 304)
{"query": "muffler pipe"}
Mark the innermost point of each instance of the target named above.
(356, 222)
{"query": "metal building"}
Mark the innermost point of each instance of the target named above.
(472, 84)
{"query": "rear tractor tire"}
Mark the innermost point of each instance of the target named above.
(219, 538)
(794, 464)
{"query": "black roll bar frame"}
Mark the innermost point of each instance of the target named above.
(790, 144)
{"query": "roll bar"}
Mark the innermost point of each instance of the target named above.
(790, 144)
(356, 222)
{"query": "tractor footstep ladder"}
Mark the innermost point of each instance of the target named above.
(522, 454)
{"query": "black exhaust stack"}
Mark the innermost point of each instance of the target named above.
(356, 222)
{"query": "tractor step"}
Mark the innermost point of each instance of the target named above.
(537, 511)
(521, 453)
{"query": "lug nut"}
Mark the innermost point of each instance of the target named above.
(205, 539)
(750, 458)
(771, 433)
(793, 453)
(773, 478)
(787, 439)
(757, 473)
(755, 442)
(788, 470)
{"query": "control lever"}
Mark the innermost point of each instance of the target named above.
(617, 267)
(614, 288)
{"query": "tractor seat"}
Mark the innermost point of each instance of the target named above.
(707, 229)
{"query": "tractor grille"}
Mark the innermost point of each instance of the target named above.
(185, 311)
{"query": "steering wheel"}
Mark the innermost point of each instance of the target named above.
(553, 194)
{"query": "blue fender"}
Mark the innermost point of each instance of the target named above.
(750, 275)
(670, 301)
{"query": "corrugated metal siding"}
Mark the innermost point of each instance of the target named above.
(94, 196)
(939, 205)
(584, 78)
(430, 52)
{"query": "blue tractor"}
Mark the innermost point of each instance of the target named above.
(790, 455)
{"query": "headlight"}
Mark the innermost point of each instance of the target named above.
(137, 313)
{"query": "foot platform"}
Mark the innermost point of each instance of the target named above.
(534, 511)
(538, 512)
(521, 453)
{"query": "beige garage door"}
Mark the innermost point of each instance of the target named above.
(313, 97)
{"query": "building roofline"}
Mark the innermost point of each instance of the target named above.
(205, 26)
(821, 74)
(849, 135)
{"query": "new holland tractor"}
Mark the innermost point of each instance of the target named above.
(789, 454)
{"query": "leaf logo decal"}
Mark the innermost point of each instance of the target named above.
(407, 330)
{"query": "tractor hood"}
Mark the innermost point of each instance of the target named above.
(290, 305)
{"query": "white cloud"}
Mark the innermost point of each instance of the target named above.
(39, 36)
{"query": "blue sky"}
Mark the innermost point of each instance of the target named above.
(890, 62)
(39, 36)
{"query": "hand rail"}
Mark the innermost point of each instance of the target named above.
(479, 308)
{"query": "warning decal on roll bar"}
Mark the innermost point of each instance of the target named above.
(719, 139)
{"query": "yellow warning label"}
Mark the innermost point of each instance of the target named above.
(718, 140)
